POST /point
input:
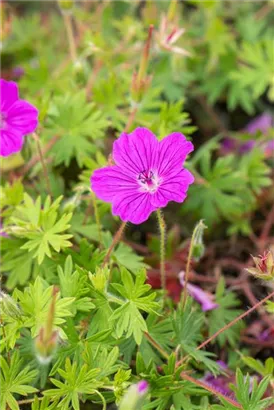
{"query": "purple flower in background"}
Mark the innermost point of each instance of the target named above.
(2, 232)
(17, 118)
(147, 174)
(229, 144)
(202, 297)
(247, 146)
(261, 123)
(18, 72)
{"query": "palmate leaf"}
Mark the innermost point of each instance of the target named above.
(128, 318)
(42, 227)
(225, 313)
(226, 184)
(255, 71)
(35, 303)
(74, 284)
(251, 398)
(15, 379)
(78, 123)
(77, 381)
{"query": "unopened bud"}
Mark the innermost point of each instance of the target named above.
(140, 80)
(134, 397)
(198, 245)
(45, 348)
(8, 306)
(47, 339)
(66, 6)
(264, 266)
(99, 279)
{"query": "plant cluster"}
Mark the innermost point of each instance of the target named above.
(102, 314)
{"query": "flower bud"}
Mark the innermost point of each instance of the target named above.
(66, 6)
(100, 278)
(47, 339)
(8, 306)
(198, 245)
(140, 80)
(45, 348)
(134, 397)
(264, 266)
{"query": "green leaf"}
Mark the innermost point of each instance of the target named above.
(15, 380)
(41, 227)
(127, 317)
(78, 123)
(35, 303)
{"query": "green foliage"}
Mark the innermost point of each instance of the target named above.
(15, 380)
(77, 123)
(128, 317)
(225, 184)
(251, 399)
(225, 313)
(104, 326)
(76, 382)
(41, 228)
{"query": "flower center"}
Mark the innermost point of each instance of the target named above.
(3, 117)
(149, 181)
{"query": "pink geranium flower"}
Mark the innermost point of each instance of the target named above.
(17, 118)
(147, 174)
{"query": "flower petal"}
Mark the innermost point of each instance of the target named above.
(135, 207)
(107, 182)
(173, 151)
(136, 152)
(173, 188)
(23, 117)
(11, 142)
(9, 94)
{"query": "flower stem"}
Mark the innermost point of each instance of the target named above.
(199, 383)
(186, 277)
(97, 219)
(115, 240)
(156, 345)
(41, 156)
(72, 46)
(224, 328)
(162, 227)
(196, 238)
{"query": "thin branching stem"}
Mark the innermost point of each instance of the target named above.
(115, 240)
(97, 219)
(43, 163)
(71, 40)
(224, 328)
(199, 383)
(162, 227)
(156, 345)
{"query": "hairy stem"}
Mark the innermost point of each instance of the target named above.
(156, 345)
(131, 119)
(41, 156)
(162, 227)
(189, 257)
(115, 240)
(199, 383)
(224, 328)
(71, 40)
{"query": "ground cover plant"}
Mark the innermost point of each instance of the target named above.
(137, 217)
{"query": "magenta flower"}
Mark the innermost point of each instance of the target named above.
(147, 174)
(17, 118)
(205, 299)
